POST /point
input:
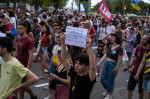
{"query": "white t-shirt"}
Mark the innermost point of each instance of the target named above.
(54, 48)
(13, 20)
(110, 29)
(102, 32)
(2, 34)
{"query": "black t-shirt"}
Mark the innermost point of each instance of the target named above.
(100, 54)
(113, 54)
(83, 85)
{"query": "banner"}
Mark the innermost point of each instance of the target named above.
(85, 7)
(103, 9)
(135, 5)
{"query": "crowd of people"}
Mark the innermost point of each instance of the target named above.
(72, 70)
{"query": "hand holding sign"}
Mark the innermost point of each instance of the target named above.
(76, 36)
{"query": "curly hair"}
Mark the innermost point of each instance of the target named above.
(118, 38)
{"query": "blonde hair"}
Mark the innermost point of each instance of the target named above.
(7, 18)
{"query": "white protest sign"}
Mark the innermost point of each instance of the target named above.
(76, 36)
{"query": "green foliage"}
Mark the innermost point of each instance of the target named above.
(115, 5)
(88, 4)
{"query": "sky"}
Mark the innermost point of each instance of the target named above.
(93, 3)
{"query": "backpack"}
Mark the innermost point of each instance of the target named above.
(13, 32)
(99, 30)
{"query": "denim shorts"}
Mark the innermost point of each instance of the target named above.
(43, 50)
(146, 85)
(97, 60)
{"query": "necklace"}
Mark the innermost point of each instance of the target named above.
(76, 82)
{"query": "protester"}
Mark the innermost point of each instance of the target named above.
(24, 54)
(11, 81)
(140, 51)
(112, 63)
(8, 26)
(36, 32)
(91, 31)
(110, 28)
(146, 29)
(130, 43)
(45, 43)
(99, 54)
(12, 19)
(101, 32)
(29, 30)
(81, 81)
(146, 74)
(51, 24)
(61, 81)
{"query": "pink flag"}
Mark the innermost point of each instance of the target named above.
(103, 9)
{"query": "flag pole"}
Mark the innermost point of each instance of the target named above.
(123, 8)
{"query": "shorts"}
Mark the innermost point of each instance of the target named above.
(146, 85)
(52, 69)
(129, 55)
(24, 79)
(132, 83)
(97, 60)
(43, 50)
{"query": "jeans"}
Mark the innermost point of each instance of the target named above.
(108, 76)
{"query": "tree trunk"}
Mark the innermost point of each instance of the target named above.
(72, 4)
(14, 7)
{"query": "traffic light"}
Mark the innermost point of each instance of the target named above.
(125, 7)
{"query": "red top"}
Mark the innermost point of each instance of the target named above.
(23, 45)
(8, 28)
(45, 41)
(91, 31)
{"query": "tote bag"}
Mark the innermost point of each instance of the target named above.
(39, 45)
(56, 62)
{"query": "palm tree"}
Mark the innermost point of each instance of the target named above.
(75, 2)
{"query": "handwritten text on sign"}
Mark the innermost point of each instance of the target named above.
(76, 36)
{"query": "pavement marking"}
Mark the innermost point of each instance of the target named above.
(41, 85)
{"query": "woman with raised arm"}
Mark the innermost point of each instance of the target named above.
(112, 63)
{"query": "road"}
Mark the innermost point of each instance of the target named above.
(120, 90)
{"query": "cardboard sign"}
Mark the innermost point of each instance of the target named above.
(76, 36)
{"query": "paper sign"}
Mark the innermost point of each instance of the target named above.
(76, 36)
(103, 9)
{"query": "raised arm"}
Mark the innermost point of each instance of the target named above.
(104, 39)
(92, 73)
(64, 54)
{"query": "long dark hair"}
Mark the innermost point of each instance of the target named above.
(48, 30)
(29, 29)
(11, 14)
